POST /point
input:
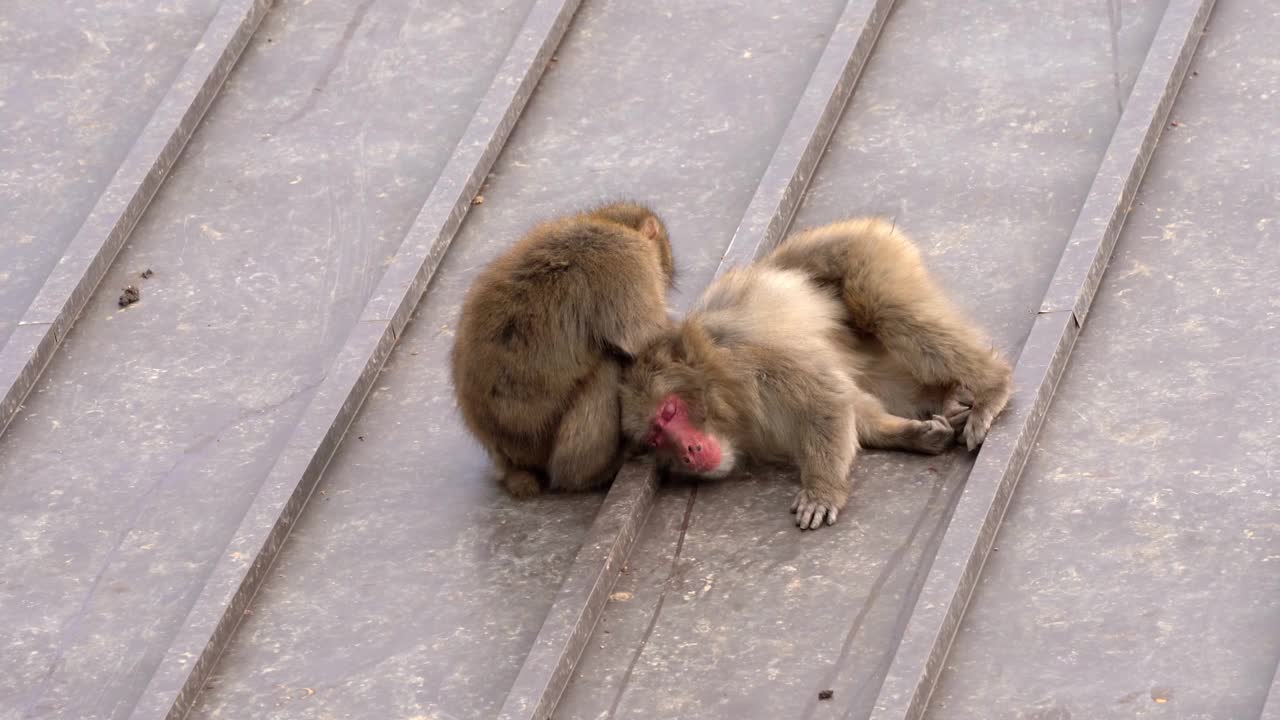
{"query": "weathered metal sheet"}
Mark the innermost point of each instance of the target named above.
(27, 345)
(968, 540)
(1136, 573)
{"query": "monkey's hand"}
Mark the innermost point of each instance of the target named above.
(811, 509)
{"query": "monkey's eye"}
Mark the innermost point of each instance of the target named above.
(654, 438)
(668, 410)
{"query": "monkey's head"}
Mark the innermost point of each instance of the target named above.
(673, 404)
(646, 222)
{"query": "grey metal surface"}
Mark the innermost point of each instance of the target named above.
(256, 543)
(728, 610)
(170, 447)
(801, 147)
(971, 531)
(684, 116)
(580, 601)
(91, 139)
(78, 83)
(153, 429)
(1271, 709)
(1136, 566)
(1085, 258)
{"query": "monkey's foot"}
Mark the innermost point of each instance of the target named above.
(979, 422)
(957, 417)
(521, 484)
(934, 435)
(811, 510)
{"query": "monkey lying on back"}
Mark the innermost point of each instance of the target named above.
(536, 361)
(838, 338)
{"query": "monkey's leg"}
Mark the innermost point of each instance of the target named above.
(890, 294)
(878, 428)
(588, 443)
(827, 453)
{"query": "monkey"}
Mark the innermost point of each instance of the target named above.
(838, 339)
(543, 333)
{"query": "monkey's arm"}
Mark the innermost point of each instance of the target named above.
(588, 441)
(826, 454)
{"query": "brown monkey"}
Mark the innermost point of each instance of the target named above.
(836, 339)
(542, 333)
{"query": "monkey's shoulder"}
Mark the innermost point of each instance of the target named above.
(768, 306)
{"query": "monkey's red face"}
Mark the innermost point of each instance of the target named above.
(671, 409)
(671, 433)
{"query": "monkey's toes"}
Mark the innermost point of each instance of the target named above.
(975, 431)
(521, 484)
(811, 511)
(958, 418)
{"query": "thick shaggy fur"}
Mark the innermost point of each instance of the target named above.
(535, 365)
(838, 338)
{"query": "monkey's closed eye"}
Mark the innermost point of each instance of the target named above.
(668, 411)
(622, 357)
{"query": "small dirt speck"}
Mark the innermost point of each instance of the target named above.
(826, 694)
(146, 274)
(129, 296)
(1174, 124)
(477, 200)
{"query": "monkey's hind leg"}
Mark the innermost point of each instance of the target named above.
(588, 448)
(878, 428)
(891, 295)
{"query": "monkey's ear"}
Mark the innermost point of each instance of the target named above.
(651, 228)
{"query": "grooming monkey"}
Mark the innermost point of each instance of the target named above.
(543, 333)
(839, 338)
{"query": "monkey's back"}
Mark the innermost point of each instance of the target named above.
(532, 329)
(785, 330)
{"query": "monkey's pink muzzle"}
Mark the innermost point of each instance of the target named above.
(672, 430)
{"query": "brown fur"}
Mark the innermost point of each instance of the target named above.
(542, 333)
(838, 338)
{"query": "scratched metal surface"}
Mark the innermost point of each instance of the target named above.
(684, 116)
(983, 149)
(78, 81)
(148, 435)
(1136, 572)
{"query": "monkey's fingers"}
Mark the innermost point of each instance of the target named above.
(936, 435)
(811, 512)
(959, 418)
